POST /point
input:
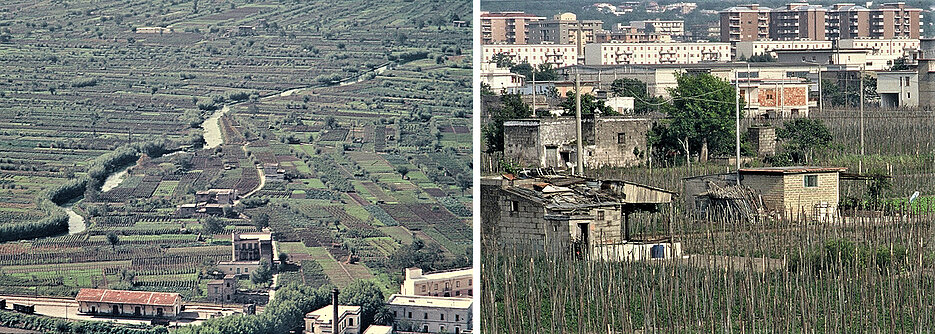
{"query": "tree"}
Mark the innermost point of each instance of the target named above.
(464, 182)
(113, 239)
(589, 105)
(642, 102)
(261, 220)
(511, 107)
(368, 296)
(900, 65)
(762, 58)
(262, 274)
(402, 170)
(700, 117)
(850, 94)
(802, 138)
(503, 60)
(213, 225)
(544, 72)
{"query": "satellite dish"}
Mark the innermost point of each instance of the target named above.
(914, 196)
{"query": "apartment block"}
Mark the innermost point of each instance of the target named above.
(562, 29)
(745, 23)
(506, 27)
(752, 48)
(797, 21)
(890, 20)
(453, 283)
(656, 53)
(555, 55)
(661, 27)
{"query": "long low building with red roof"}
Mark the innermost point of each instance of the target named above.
(129, 303)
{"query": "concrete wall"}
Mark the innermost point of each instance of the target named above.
(521, 142)
(926, 82)
(898, 89)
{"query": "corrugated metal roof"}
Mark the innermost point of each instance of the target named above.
(792, 169)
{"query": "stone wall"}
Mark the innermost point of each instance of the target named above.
(770, 187)
(619, 142)
(523, 223)
(763, 140)
(798, 199)
(521, 142)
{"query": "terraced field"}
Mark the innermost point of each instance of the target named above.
(366, 105)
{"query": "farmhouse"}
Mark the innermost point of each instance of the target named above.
(453, 283)
(223, 290)
(431, 314)
(129, 303)
(554, 212)
(618, 141)
(800, 192)
(273, 172)
(254, 246)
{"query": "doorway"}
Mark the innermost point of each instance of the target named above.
(116, 309)
(136, 311)
(583, 233)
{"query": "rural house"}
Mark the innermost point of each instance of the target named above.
(799, 192)
(555, 212)
(609, 141)
(129, 303)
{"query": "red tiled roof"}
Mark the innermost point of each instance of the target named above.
(127, 297)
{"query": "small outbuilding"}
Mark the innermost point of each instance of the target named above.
(799, 192)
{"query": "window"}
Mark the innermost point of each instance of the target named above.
(426, 316)
(514, 206)
(441, 316)
(436, 286)
(423, 288)
(215, 289)
(621, 138)
(246, 270)
(410, 315)
(457, 284)
(457, 317)
(811, 181)
(350, 322)
(600, 215)
(395, 315)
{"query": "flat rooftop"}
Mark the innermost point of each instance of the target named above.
(791, 170)
(449, 274)
(325, 314)
(429, 301)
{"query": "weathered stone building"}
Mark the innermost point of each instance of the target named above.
(617, 141)
(553, 212)
(763, 139)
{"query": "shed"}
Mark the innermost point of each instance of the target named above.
(798, 192)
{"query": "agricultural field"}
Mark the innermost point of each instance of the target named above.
(106, 129)
(869, 269)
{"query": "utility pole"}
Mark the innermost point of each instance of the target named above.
(821, 101)
(580, 138)
(534, 92)
(737, 116)
(860, 166)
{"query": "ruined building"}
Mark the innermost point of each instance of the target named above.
(609, 141)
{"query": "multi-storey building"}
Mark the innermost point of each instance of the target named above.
(535, 54)
(661, 27)
(797, 21)
(744, 23)
(430, 314)
(752, 48)
(562, 29)
(891, 20)
(506, 27)
(656, 53)
(454, 283)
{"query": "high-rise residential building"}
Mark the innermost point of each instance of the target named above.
(745, 23)
(891, 20)
(847, 20)
(797, 21)
(562, 29)
(506, 27)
